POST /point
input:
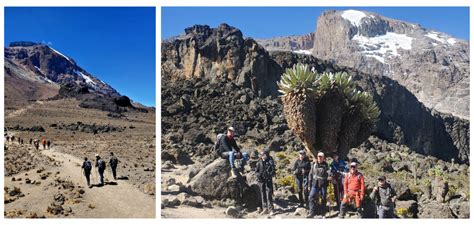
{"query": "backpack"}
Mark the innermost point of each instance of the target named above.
(87, 166)
(217, 145)
(101, 164)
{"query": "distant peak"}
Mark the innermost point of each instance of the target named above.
(23, 44)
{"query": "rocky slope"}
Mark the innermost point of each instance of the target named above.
(297, 43)
(38, 72)
(434, 66)
(404, 120)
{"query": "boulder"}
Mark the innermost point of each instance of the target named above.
(232, 212)
(436, 210)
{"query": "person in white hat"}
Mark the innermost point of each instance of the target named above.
(354, 188)
(100, 164)
(319, 183)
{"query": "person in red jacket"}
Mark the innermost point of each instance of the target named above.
(354, 189)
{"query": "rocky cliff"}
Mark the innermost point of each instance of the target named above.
(434, 66)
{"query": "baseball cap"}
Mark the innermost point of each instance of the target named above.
(321, 154)
(231, 129)
(353, 164)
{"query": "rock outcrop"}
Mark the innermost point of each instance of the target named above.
(297, 43)
(220, 54)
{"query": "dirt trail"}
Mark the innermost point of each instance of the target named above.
(112, 201)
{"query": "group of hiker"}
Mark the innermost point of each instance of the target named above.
(46, 143)
(100, 164)
(312, 180)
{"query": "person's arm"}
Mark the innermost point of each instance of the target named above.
(373, 193)
(393, 194)
(234, 145)
(346, 183)
(295, 167)
(362, 188)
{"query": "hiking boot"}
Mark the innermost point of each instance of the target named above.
(265, 211)
(310, 215)
(233, 173)
(272, 212)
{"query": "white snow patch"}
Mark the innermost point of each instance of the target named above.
(301, 51)
(353, 16)
(87, 78)
(383, 45)
(434, 44)
(451, 41)
(437, 37)
(61, 54)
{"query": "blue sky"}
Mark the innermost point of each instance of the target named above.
(117, 45)
(266, 22)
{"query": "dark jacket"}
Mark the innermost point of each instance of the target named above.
(113, 161)
(100, 164)
(226, 144)
(87, 166)
(319, 173)
(383, 196)
(301, 167)
(265, 169)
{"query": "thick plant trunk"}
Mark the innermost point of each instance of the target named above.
(331, 108)
(300, 113)
(349, 128)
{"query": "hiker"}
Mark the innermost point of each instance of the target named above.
(265, 172)
(318, 180)
(12, 138)
(43, 142)
(87, 168)
(8, 138)
(384, 196)
(36, 143)
(338, 170)
(301, 170)
(353, 190)
(100, 164)
(22, 141)
(31, 141)
(48, 143)
(227, 148)
(19, 141)
(113, 162)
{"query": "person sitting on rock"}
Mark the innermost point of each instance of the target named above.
(301, 170)
(113, 162)
(100, 164)
(338, 170)
(87, 168)
(228, 149)
(354, 189)
(318, 176)
(384, 196)
(265, 172)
